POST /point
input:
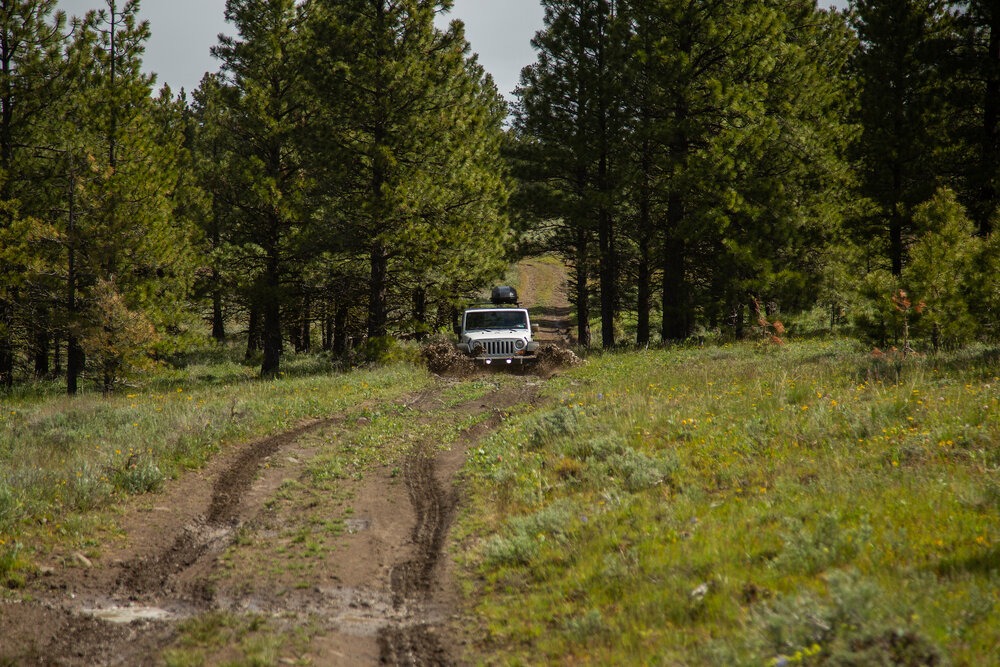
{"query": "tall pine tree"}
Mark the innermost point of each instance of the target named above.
(903, 104)
(124, 233)
(570, 131)
(411, 127)
(32, 73)
(264, 111)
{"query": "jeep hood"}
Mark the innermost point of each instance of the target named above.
(493, 334)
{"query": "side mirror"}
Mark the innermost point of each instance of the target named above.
(534, 328)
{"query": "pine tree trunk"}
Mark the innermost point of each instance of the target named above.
(378, 291)
(42, 347)
(340, 330)
(676, 319)
(644, 277)
(253, 333)
(305, 328)
(606, 223)
(6, 347)
(295, 334)
(75, 359)
(643, 296)
(676, 314)
(272, 338)
(75, 362)
(327, 328)
(582, 290)
(218, 320)
(608, 270)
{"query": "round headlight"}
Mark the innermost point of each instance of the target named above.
(520, 344)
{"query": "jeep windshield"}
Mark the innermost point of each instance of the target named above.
(496, 319)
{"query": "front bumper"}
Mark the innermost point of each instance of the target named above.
(520, 360)
(499, 352)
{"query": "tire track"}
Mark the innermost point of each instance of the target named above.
(413, 641)
(152, 576)
(416, 639)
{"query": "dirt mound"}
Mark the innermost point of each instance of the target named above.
(553, 356)
(443, 358)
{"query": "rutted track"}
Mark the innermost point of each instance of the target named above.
(381, 594)
(412, 640)
(151, 576)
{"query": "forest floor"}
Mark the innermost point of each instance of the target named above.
(274, 554)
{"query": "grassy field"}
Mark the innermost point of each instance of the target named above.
(739, 504)
(758, 505)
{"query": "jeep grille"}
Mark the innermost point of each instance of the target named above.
(498, 348)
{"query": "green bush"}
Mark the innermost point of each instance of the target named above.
(874, 317)
(850, 626)
(827, 543)
(598, 447)
(638, 472)
(516, 549)
(386, 350)
(136, 477)
(546, 427)
(941, 272)
(524, 535)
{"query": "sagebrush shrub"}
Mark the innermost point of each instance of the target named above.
(544, 428)
(850, 626)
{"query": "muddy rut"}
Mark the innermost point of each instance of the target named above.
(247, 536)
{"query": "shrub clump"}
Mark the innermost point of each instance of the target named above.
(137, 476)
(849, 626)
(545, 428)
(524, 535)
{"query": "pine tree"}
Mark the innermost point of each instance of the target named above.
(791, 176)
(409, 133)
(940, 275)
(737, 147)
(264, 111)
(31, 65)
(571, 129)
(903, 114)
(211, 153)
(125, 158)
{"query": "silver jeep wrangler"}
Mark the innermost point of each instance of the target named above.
(500, 334)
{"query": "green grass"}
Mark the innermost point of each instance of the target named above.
(744, 505)
(62, 460)
(740, 504)
(235, 639)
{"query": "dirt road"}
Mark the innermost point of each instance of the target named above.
(308, 548)
(348, 572)
(542, 286)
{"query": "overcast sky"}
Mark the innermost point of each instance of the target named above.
(183, 31)
(500, 31)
